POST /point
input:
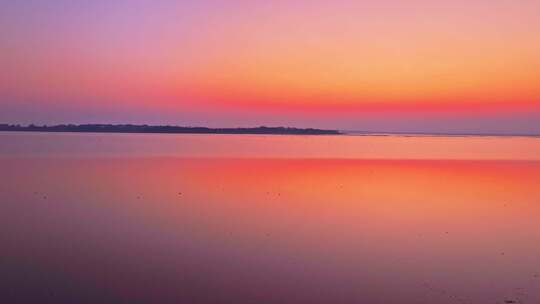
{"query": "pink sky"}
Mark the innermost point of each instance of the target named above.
(429, 66)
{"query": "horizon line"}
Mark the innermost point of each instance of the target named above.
(339, 131)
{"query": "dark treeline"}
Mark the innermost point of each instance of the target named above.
(128, 128)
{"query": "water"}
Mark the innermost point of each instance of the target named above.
(111, 218)
(269, 146)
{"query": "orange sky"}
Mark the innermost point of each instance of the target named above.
(375, 65)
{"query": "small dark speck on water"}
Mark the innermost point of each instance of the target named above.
(509, 301)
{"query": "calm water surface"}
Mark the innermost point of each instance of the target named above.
(111, 218)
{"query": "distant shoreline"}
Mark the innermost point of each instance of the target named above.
(129, 128)
(262, 130)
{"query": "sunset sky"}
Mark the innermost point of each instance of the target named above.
(386, 65)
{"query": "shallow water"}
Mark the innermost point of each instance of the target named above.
(123, 221)
(270, 146)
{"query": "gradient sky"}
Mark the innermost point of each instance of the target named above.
(419, 65)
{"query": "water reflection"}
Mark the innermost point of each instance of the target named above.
(269, 146)
(180, 230)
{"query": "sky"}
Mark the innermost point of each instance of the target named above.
(385, 65)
